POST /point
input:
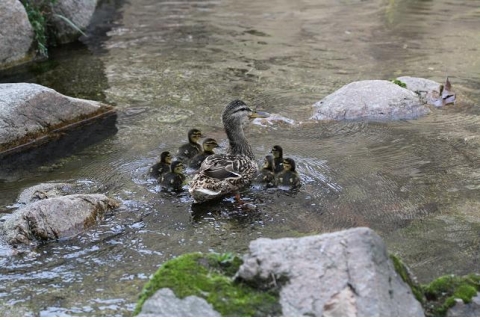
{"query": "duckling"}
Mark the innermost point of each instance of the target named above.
(277, 152)
(289, 176)
(221, 174)
(161, 167)
(266, 176)
(208, 145)
(175, 179)
(192, 148)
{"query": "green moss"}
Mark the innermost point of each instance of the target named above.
(442, 292)
(210, 277)
(405, 274)
(400, 83)
(39, 14)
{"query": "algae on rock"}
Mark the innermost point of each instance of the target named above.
(210, 276)
(441, 293)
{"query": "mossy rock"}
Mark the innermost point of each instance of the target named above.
(210, 276)
(404, 273)
(441, 293)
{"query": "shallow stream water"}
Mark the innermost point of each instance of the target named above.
(169, 66)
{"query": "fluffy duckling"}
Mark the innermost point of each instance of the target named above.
(277, 152)
(161, 167)
(175, 179)
(208, 145)
(192, 148)
(266, 176)
(289, 176)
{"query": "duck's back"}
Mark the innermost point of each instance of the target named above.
(222, 174)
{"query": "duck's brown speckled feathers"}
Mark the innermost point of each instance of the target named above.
(221, 174)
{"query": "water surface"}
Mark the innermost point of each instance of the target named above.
(169, 66)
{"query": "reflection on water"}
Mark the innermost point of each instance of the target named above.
(171, 66)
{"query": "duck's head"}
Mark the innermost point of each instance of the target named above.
(209, 144)
(289, 164)
(194, 135)
(237, 112)
(269, 164)
(166, 157)
(277, 151)
(177, 167)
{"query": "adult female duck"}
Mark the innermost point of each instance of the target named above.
(221, 174)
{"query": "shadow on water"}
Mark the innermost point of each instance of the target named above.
(72, 70)
(57, 144)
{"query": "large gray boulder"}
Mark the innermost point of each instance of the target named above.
(378, 100)
(29, 111)
(346, 273)
(16, 34)
(77, 12)
(164, 303)
(54, 218)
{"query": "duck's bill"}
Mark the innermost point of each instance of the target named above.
(259, 114)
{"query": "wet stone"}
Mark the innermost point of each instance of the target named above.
(55, 218)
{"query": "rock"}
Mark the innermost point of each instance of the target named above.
(273, 119)
(420, 86)
(78, 12)
(346, 273)
(461, 309)
(30, 111)
(45, 191)
(55, 218)
(164, 303)
(50, 190)
(16, 34)
(430, 92)
(379, 100)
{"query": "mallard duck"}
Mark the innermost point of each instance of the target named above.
(175, 179)
(163, 166)
(289, 176)
(208, 145)
(277, 152)
(266, 176)
(222, 174)
(192, 148)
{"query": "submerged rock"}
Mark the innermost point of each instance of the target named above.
(16, 34)
(379, 100)
(29, 112)
(55, 218)
(346, 273)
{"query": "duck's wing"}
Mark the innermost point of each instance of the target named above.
(221, 167)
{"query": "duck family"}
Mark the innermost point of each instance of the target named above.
(217, 175)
